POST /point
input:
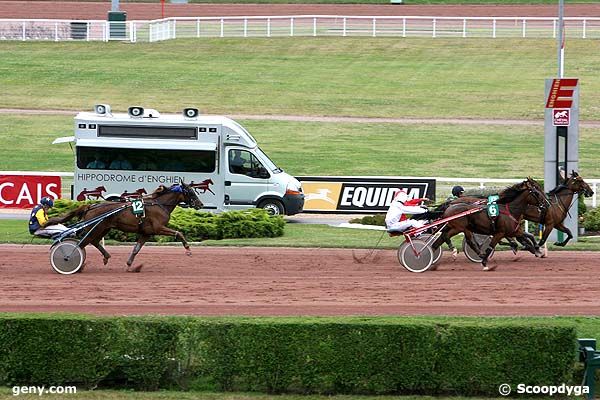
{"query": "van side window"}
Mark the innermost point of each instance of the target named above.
(243, 162)
(152, 160)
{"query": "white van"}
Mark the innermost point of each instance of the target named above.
(118, 156)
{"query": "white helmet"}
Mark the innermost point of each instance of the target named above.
(401, 196)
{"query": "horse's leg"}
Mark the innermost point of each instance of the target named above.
(547, 229)
(94, 239)
(136, 249)
(472, 242)
(484, 259)
(178, 235)
(561, 227)
(101, 249)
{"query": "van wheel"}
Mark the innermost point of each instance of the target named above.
(273, 207)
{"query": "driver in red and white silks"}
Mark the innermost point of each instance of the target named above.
(396, 219)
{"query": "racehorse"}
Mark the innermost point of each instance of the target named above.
(553, 213)
(158, 207)
(513, 202)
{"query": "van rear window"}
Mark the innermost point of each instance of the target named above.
(148, 132)
(146, 159)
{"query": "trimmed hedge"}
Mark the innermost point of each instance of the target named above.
(293, 355)
(198, 226)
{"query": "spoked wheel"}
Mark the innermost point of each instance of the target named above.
(415, 258)
(67, 257)
(437, 253)
(483, 241)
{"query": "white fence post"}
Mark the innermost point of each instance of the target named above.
(494, 28)
(23, 31)
(222, 28)
(374, 27)
(245, 27)
(583, 36)
(524, 27)
(56, 31)
(344, 30)
(198, 27)
(315, 26)
(433, 26)
(268, 27)
(292, 26)
(465, 28)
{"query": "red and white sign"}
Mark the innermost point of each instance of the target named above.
(561, 117)
(25, 191)
(561, 93)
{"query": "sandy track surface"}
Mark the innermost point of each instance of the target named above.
(141, 11)
(269, 281)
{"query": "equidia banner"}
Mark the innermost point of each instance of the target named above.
(25, 191)
(359, 194)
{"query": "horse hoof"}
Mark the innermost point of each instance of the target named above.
(454, 254)
(105, 261)
(188, 253)
(135, 269)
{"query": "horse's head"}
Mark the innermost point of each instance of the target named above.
(101, 189)
(187, 195)
(578, 185)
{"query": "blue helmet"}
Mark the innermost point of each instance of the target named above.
(457, 191)
(47, 201)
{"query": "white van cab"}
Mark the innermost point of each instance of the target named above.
(119, 156)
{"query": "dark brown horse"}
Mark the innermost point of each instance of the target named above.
(157, 212)
(554, 210)
(513, 202)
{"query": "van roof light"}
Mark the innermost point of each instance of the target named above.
(102, 109)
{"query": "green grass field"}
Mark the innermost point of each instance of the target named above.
(310, 148)
(381, 77)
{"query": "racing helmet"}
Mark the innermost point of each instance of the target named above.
(47, 201)
(401, 196)
(457, 191)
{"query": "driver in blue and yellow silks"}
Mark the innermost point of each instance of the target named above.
(39, 218)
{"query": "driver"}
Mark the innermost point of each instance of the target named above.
(396, 219)
(39, 218)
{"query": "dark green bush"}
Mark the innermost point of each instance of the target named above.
(198, 225)
(295, 355)
(378, 219)
(591, 219)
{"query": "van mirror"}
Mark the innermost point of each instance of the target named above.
(263, 173)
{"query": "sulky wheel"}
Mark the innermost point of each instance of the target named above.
(67, 257)
(415, 258)
(437, 253)
(483, 241)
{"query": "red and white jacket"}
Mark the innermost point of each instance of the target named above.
(398, 210)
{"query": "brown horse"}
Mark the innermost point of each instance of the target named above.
(513, 202)
(554, 210)
(158, 207)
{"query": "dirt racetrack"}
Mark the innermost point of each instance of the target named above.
(144, 11)
(276, 281)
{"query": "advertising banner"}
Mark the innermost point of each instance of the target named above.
(25, 191)
(359, 194)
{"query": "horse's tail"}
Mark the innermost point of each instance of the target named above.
(78, 212)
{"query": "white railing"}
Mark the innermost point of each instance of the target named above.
(298, 25)
(443, 187)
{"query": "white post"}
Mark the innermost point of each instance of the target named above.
(344, 30)
(315, 26)
(465, 28)
(494, 28)
(583, 36)
(245, 27)
(433, 27)
(174, 29)
(554, 28)
(292, 26)
(561, 39)
(87, 32)
(56, 31)
(524, 27)
(222, 27)
(374, 27)
(198, 27)
(403, 27)
(268, 27)
(150, 38)
(23, 31)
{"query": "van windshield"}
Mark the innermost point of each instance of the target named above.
(269, 163)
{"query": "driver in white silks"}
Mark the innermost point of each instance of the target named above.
(396, 219)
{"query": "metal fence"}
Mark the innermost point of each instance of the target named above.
(298, 25)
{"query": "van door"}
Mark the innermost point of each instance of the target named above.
(246, 179)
